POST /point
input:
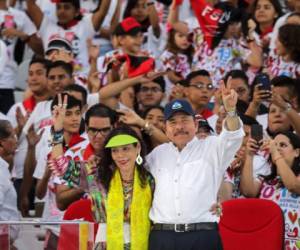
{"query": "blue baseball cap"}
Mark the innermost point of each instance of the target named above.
(178, 105)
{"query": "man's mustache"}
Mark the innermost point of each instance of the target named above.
(181, 132)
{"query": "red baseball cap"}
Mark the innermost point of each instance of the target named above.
(129, 26)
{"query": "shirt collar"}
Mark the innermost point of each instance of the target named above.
(75, 139)
(188, 145)
(89, 151)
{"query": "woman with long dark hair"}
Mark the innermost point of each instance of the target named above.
(285, 59)
(282, 183)
(118, 185)
(265, 13)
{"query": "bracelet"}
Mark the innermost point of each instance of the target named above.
(57, 137)
(231, 113)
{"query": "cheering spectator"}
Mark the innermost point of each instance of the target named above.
(71, 26)
(14, 24)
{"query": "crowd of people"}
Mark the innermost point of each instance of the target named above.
(156, 111)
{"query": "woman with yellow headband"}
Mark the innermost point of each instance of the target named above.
(126, 196)
(120, 189)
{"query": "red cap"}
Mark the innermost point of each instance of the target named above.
(129, 26)
(130, 23)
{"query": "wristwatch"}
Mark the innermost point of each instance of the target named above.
(288, 107)
(232, 113)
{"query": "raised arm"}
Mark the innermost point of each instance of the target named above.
(99, 15)
(29, 167)
(116, 88)
(249, 186)
(289, 179)
(229, 97)
(153, 17)
(131, 118)
(35, 13)
(255, 59)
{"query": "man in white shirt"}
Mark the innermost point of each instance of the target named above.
(8, 195)
(188, 173)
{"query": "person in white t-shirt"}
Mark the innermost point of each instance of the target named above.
(14, 25)
(48, 7)
(19, 113)
(71, 26)
(46, 187)
(285, 59)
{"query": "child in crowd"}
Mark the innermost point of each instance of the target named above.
(154, 33)
(177, 58)
(285, 59)
(71, 26)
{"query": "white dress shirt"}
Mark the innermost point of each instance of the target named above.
(8, 198)
(187, 181)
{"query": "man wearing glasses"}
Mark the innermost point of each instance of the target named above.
(199, 90)
(150, 93)
(99, 120)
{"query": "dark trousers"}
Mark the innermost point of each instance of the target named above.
(7, 99)
(196, 240)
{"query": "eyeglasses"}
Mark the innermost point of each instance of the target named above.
(102, 131)
(241, 90)
(153, 89)
(201, 85)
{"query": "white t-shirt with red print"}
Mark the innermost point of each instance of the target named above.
(228, 55)
(48, 7)
(177, 63)
(12, 18)
(277, 66)
(77, 35)
(290, 206)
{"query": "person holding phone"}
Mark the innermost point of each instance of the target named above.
(281, 183)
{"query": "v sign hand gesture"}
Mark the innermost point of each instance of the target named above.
(58, 113)
(229, 96)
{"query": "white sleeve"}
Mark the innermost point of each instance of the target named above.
(277, 25)
(156, 45)
(88, 25)
(11, 114)
(110, 13)
(28, 27)
(93, 99)
(192, 23)
(41, 164)
(40, 168)
(35, 113)
(41, 154)
(261, 166)
(227, 144)
(45, 28)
